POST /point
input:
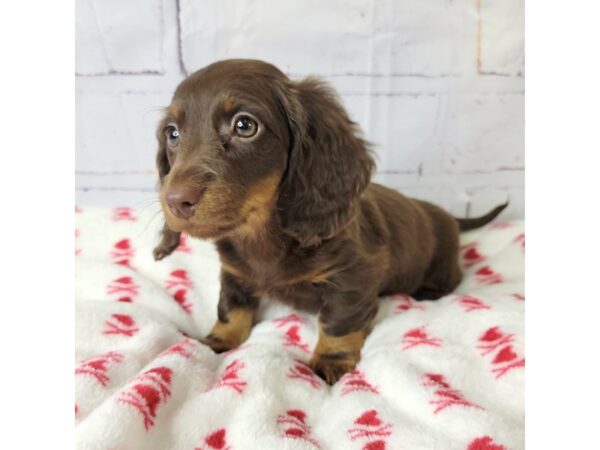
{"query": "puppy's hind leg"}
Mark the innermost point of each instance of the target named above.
(444, 273)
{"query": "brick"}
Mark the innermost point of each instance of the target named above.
(402, 129)
(116, 132)
(502, 25)
(482, 133)
(113, 36)
(483, 199)
(345, 37)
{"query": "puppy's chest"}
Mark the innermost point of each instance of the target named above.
(277, 273)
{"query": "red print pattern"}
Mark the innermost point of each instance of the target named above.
(230, 377)
(356, 381)
(124, 214)
(443, 394)
(184, 244)
(405, 303)
(178, 284)
(300, 371)
(97, 366)
(418, 336)
(487, 276)
(77, 250)
(470, 254)
(122, 253)
(371, 430)
(148, 391)
(501, 225)
(498, 343)
(216, 440)
(293, 424)
(123, 289)
(292, 339)
(470, 303)
(293, 318)
(485, 443)
(181, 348)
(520, 239)
(122, 324)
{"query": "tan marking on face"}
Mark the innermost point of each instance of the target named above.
(229, 104)
(258, 204)
(176, 112)
(237, 329)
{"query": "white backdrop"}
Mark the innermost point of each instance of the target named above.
(437, 85)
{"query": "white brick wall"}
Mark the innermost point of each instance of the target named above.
(437, 85)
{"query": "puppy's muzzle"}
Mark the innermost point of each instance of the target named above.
(181, 200)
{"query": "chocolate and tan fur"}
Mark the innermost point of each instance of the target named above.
(275, 172)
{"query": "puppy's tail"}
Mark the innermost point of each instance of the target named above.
(476, 222)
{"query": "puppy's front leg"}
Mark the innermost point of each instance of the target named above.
(236, 313)
(344, 322)
(169, 241)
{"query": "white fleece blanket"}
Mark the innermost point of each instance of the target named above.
(433, 375)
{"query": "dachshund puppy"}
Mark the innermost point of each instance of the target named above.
(276, 173)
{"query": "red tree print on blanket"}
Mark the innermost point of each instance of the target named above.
(230, 377)
(125, 289)
(184, 244)
(485, 443)
(405, 303)
(470, 303)
(178, 285)
(292, 338)
(182, 348)
(97, 366)
(77, 250)
(147, 392)
(216, 440)
(124, 213)
(122, 324)
(520, 239)
(370, 429)
(293, 424)
(300, 371)
(498, 343)
(443, 394)
(470, 254)
(486, 276)
(122, 253)
(356, 381)
(292, 318)
(501, 225)
(418, 336)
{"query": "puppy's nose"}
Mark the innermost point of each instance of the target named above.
(182, 199)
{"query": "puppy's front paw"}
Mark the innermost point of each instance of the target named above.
(162, 251)
(331, 367)
(217, 345)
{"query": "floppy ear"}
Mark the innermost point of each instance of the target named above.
(162, 161)
(329, 164)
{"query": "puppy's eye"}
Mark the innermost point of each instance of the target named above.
(245, 126)
(172, 135)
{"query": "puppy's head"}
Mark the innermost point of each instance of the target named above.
(241, 144)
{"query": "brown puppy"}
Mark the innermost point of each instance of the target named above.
(277, 174)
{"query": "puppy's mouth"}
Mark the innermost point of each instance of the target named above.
(213, 227)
